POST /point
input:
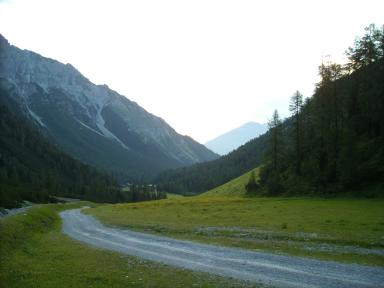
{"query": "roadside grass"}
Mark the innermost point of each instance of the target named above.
(298, 226)
(34, 253)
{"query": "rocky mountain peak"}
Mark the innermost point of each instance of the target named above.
(3, 42)
(93, 122)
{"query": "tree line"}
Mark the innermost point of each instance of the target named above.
(140, 192)
(333, 141)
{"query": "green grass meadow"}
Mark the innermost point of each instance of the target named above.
(354, 221)
(297, 226)
(34, 253)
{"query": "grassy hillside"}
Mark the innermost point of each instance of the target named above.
(235, 187)
(202, 177)
(34, 253)
(348, 230)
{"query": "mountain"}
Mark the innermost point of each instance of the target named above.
(33, 169)
(92, 122)
(231, 140)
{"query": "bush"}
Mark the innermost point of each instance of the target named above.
(252, 186)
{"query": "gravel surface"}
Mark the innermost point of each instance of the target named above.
(298, 240)
(259, 267)
(9, 212)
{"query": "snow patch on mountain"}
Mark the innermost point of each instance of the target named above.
(36, 117)
(90, 128)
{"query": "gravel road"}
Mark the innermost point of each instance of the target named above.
(259, 267)
(13, 211)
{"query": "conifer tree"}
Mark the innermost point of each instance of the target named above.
(295, 106)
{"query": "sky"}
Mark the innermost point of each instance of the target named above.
(204, 66)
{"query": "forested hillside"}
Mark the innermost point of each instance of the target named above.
(33, 169)
(204, 176)
(336, 140)
(333, 142)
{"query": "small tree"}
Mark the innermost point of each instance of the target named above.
(251, 186)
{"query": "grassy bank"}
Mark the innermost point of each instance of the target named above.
(235, 187)
(337, 229)
(34, 253)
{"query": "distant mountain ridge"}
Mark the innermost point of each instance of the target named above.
(92, 122)
(233, 139)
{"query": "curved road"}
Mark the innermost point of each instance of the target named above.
(259, 267)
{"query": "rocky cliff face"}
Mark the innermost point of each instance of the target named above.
(92, 122)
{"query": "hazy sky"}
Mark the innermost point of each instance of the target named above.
(204, 66)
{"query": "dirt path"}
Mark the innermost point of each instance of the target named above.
(259, 267)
